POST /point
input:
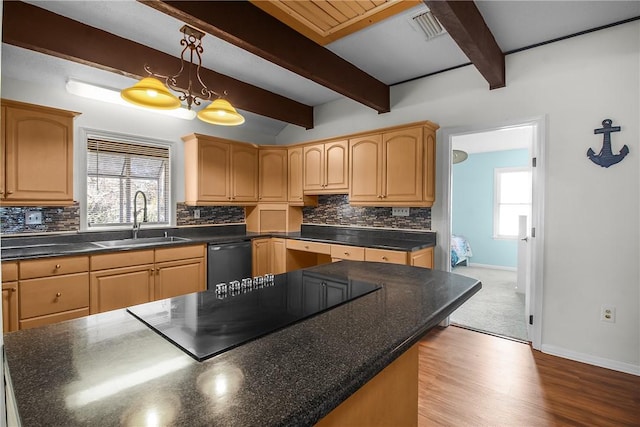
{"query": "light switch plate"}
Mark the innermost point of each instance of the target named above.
(196, 213)
(33, 217)
(400, 211)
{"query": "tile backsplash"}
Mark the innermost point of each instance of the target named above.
(335, 210)
(208, 215)
(54, 219)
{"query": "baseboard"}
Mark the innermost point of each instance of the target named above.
(493, 267)
(602, 362)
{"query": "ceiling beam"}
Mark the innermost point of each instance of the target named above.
(467, 27)
(37, 29)
(246, 26)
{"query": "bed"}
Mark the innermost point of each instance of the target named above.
(460, 251)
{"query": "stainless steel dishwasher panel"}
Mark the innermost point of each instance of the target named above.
(227, 262)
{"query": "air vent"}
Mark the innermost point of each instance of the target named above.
(428, 24)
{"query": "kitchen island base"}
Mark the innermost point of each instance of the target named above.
(388, 399)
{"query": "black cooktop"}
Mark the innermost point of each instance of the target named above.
(205, 324)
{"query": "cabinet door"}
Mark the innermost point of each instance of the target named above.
(179, 277)
(335, 293)
(336, 155)
(3, 150)
(273, 175)
(429, 166)
(244, 168)
(214, 171)
(313, 294)
(278, 256)
(366, 169)
(294, 179)
(313, 168)
(9, 306)
(260, 256)
(39, 156)
(422, 258)
(402, 177)
(121, 287)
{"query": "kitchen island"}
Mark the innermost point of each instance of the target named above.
(112, 369)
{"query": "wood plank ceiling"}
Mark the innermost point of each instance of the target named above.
(282, 41)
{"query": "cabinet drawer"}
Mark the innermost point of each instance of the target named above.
(299, 245)
(53, 266)
(34, 322)
(9, 271)
(385, 255)
(53, 294)
(121, 259)
(182, 252)
(354, 253)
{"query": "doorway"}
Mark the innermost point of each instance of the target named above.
(486, 197)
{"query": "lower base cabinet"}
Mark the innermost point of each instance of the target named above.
(10, 296)
(268, 256)
(143, 276)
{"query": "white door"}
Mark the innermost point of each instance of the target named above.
(523, 279)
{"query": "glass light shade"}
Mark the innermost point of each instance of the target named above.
(151, 93)
(220, 112)
(459, 156)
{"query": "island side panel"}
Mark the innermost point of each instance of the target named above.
(388, 399)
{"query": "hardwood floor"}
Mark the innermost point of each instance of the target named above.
(468, 378)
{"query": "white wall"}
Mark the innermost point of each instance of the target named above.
(591, 242)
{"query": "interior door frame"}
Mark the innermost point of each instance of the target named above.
(441, 218)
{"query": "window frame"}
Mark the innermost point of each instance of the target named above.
(82, 180)
(497, 174)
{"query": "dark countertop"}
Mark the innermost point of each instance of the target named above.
(18, 247)
(111, 369)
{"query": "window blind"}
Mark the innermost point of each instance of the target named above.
(115, 171)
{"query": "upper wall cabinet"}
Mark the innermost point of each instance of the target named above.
(220, 171)
(273, 172)
(326, 168)
(37, 155)
(295, 179)
(394, 168)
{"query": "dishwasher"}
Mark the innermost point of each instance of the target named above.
(228, 262)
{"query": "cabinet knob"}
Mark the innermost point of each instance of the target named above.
(13, 289)
(58, 294)
(346, 253)
(57, 266)
(9, 191)
(306, 246)
(384, 258)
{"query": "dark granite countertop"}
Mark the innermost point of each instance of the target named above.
(110, 369)
(18, 247)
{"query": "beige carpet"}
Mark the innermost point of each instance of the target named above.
(497, 308)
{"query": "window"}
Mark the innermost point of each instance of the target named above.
(115, 171)
(512, 198)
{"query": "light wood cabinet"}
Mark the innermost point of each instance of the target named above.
(273, 173)
(179, 271)
(268, 256)
(326, 168)
(353, 253)
(219, 171)
(123, 279)
(9, 296)
(273, 217)
(295, 179)
(393, 168)
(37, 155)
(52, 289)
(385, 255)
(422, 258)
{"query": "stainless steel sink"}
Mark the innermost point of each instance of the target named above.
(142, 241)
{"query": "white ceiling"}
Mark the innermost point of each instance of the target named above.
(392, 50)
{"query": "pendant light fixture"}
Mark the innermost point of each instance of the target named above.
(151, 92)
(459, 156)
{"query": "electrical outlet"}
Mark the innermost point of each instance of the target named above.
(196, 213)
(33, 217)
(608, 313)
(400, 211)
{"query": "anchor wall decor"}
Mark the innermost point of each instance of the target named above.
(606, 157)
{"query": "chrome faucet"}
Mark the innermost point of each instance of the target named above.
(136, 224)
